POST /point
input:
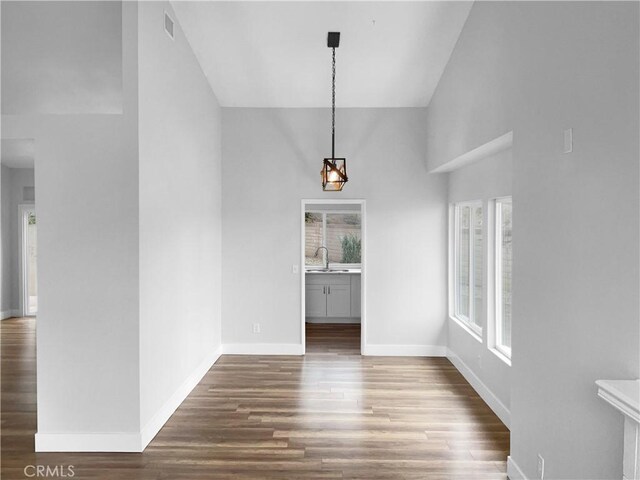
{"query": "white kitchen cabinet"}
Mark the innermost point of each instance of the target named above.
(338, 300)
(332, 296)
(316, 300)
(356, 308)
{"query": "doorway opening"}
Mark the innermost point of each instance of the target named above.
(18, 242)
(333, 275)
(28, 261)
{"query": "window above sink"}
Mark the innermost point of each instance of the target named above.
(340, 233)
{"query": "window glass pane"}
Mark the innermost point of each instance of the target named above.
(313, 238)
(478, 242)
(506, 260)
(344, 237)
(463, 261)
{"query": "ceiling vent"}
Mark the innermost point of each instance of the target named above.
(168, 25)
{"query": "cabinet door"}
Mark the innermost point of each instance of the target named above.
(315, 301)
(339, 301)
(356, 307)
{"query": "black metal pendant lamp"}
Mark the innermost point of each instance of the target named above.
(334, 170)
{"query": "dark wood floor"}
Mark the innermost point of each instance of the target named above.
(331, 414)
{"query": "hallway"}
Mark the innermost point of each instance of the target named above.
(331, 414)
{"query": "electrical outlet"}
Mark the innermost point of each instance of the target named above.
(479, 361)
(295, 269)
(540, 467)
(256, 328)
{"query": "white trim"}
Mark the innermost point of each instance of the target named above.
(467, 326)
(9, 314)
(154, 425)
(514, 472)
(489, 278)
(496, 338)
(333, 212)
(363, 273)
(451, 260)
(472, 327)
(22, 261)
(263, 348)
(303, 280)
(623, 395)
(492, 147)
(485, 393)
(125, 441)
(506, 359)
(350, 320)
(504, 351)
(88, 442)
(374, 349)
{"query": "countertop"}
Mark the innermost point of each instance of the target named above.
(350, 271)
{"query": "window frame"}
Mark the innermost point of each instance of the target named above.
(474, 328)
(324, 213)
(497, 277)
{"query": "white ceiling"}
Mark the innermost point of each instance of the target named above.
(18, 153)
(274, 54)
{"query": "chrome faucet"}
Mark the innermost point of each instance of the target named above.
(316, 254)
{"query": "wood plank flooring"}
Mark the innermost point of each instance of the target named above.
(331, 414)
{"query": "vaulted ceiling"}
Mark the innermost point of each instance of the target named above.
(274, 54)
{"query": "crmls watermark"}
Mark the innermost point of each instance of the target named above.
(43, 471)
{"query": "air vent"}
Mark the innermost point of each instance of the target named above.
(168, 25)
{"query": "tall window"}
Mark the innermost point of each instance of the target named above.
(504, 274)
(468, 250)
(340, 233)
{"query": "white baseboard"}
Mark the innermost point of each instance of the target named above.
(154, 425)
(125, 442)
(487, 395)
(405, 350)
(332, 320)
(262, 349)
(88, 442)
(513, 470)
(8, 314)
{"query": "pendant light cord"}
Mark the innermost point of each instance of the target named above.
(333, 107)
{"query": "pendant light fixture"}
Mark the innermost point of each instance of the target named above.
(334, 170)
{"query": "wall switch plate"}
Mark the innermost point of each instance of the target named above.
(568, 140)
(540, 467)
(295, 268)
(256, 328)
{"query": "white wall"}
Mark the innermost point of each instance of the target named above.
(129, 217)
(538, 68)
(87, 328)
(486, 179)
(180, 213)
(272, 160)
(61, 57)
(13, 182)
